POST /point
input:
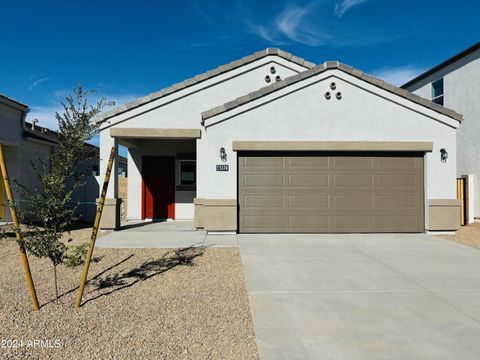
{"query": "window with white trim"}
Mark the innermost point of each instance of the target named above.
(437, 91)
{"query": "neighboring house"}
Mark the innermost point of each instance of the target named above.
(21, 145)
(25, 143)
(273, 143)
(455, 83)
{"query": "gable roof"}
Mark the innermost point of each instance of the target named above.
(442, 65)
(328, 65)
(203, 77)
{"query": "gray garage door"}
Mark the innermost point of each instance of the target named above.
(335, 192)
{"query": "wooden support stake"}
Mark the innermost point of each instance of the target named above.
(23, 254)
(96, 225)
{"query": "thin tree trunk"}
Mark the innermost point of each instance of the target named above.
(56, 283)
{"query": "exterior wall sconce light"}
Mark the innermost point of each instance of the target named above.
(443, 155)
(223, 154)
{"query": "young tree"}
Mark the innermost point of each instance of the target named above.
(50, 210)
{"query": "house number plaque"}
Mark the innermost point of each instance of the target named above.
(222, 167)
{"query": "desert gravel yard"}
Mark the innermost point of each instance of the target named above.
(468, 235)
(140, 304)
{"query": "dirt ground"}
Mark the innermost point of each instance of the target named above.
(138, 304)
(467, 235)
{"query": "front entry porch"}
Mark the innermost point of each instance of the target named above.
(161, 175)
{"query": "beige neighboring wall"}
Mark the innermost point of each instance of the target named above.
(216, 214)
(444, 214)
(423, 146)
(198, 213)
(111, 214)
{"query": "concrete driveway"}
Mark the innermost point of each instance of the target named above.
(363, 296)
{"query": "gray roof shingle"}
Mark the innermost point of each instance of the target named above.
(202, 77)
(325, 67)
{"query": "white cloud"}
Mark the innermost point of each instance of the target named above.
(398, 75)
(37, 82)
(293, 23)
(343, 6)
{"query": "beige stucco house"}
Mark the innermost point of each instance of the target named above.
(274, 143)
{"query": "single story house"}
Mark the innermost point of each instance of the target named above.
(455, 83)
(274, 143)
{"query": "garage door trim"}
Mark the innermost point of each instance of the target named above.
(371, 146)
(408, 197)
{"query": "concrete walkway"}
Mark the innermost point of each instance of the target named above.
(363, 296)
(165, 234)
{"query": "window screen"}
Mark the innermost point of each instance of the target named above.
(187, 172)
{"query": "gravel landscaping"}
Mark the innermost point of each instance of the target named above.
(468, 235)
(139, 304)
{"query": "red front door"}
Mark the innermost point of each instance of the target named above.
(158, 187)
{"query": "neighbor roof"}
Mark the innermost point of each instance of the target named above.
(202, 77)
(9, 101)
(319, 69)
(442, 65)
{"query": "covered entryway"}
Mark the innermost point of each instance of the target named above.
(331, 192)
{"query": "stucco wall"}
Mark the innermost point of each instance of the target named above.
(462, 94)
(10, 125)
(183, 110)
(12, 159)
(305, 115)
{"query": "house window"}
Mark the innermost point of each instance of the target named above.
(95, 170)
(437, 91)
(188, 173)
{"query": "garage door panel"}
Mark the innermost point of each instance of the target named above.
(253, 161)
(397, 222)
(308, 201)
(308, 180)
(405, 181)
(331, 193)
(309, 161)
(389, 161)
(353, 180)
(266, 180)
(353, 201)
(265, 201)
(266, 223)
(353, 222)
(352, 161)
(396, 201)
(309, 223)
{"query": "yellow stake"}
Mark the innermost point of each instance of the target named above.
(96, 224)
(23, 254)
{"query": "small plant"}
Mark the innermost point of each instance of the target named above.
(49, 210)
(76, 255)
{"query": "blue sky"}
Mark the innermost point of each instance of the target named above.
(127, 49)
